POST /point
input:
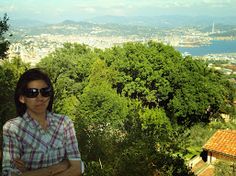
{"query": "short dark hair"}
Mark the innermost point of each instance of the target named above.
(26, 77)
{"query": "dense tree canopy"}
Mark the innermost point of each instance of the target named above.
(130, 104)
(158, 76)
(10, 72)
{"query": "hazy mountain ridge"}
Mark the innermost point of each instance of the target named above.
(124, 26)
(25, 23)
(165, 21)
(69, 27)
(155, 21)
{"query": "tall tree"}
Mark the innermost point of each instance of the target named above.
(10, 72)
(158, 76)
(125, 99)
(4, 44)
(101, 115)
(68, 68)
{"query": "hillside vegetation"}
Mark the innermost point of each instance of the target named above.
(139, 109)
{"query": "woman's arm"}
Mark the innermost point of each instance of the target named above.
(74, 169)
(47, 171)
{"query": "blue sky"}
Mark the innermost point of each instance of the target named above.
(59, 10)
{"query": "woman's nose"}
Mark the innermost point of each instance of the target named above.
(39, 96)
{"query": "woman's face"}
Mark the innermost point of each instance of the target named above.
(36, 103)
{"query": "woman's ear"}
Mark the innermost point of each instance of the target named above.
(22, 99)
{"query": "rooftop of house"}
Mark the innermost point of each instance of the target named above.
(223, 141)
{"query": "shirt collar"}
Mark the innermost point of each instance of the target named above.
(33, 123)
(50, 119)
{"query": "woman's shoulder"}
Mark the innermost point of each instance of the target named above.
(13, 124)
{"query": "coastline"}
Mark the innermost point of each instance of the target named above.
(216, 47)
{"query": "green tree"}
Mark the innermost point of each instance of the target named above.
(154, 118)
(10, 72)
(141, 74)
(158, 76)
(101, 115)
(151, 146)
(4, 44)
(200, 133)
(199, 93)
(130, 104)
(68, 68)
(225, 168)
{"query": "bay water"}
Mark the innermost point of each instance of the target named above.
(216, 47)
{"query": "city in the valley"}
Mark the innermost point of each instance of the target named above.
(34, 43)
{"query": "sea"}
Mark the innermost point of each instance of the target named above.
(216, 47)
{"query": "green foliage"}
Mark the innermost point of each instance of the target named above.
(4, 44)
(195, 88)
(131, 105)
(68, 68)
(99, 102)
(158, 76)
(10, 72)
(147, 152)
(162, 90)
(73, 61)
(154, 118)
(150, 148)
(142, 68)
(200, 133)
(68, 106)
(197, 137)
(101, 114)
(225, 168)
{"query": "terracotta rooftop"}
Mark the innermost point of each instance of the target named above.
(223, 141)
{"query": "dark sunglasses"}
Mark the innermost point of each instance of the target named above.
(33, 92)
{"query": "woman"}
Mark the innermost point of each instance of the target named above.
(38, 141)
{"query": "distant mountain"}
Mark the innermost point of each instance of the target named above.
(25, 23)
(156, 21)
(68, 22)
(142, 27)
(164, 21)
(76, 23)
(29, 23)
(69, 27)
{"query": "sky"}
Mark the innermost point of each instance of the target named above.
(59, 10)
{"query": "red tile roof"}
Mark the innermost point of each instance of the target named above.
(223, 141)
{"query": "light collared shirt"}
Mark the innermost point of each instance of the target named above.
(23, 138)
